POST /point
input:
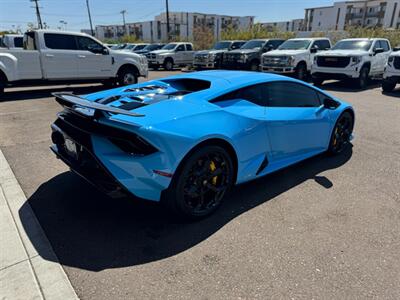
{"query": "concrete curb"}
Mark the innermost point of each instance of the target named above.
(24, 274)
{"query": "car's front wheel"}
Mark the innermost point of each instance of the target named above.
(168, 64)
(201, 183)
(301, 71)
(362, 80)
(341, 134)
(388, 85)
(127, 76)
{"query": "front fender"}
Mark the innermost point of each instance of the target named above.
(141, 66)
(9, 66)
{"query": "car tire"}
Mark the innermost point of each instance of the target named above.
(340, 137)
(388, 85)
(1, 88)
(317, 81)
(254, 66)
(362, 81)
(194, 192)
(301, 72)
(168, 64)
(127, 76)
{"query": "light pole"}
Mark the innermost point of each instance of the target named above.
(167, 11)
(123, 12)
(90, 17)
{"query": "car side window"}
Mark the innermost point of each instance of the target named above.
(60, 41)
(85, 43)
(18, 42)
(276, 44)
(255, 94)
(290, 94)
(385, 45)
(180, 48)
(323, 44)
(189, 47)
(377, 45)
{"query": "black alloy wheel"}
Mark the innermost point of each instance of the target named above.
(341, 133)
(201, 184)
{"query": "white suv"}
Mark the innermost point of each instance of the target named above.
(295, 56)
(392, 71)
(359, 59)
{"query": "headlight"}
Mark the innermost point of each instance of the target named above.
(355, 60)
(243, 56)
(211, 55)
(315, 59)
(391, 59)
(290, 60)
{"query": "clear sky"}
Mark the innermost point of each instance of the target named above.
(20, 12)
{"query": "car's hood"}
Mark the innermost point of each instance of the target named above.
(156, 101)
(161, 51)
(245, 51)
(211, 51)
(286, 52)
(395, 53)
(343, 53)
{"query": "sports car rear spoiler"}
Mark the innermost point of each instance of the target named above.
(87, 107)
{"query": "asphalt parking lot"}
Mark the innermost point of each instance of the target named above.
(326, 228)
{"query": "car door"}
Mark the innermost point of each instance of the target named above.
(94, 60)
(384, 56)
(189, 54)
(58, 56)
(179, 57)
(297, 123)
(377, 59)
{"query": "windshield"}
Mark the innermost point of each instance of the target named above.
(151, 47)
(295, 45)
(353, 45)
(169, 47)
(222, 45)
(253, 44)
(139, 47)
(128, 47)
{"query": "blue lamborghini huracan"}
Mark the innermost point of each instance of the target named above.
(186, 140)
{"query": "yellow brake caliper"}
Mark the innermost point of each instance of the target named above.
(213, 168)
(334, 140)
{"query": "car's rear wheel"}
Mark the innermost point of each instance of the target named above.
(388, 85)
(341, 134)
(200, 183)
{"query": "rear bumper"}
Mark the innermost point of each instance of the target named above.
(105, 163)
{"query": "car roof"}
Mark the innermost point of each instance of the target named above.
(310, 38)
(362, 39)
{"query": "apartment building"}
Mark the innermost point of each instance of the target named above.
(365, 13)
(182, 25)
(285, 26)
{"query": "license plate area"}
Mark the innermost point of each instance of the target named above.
(71, 148)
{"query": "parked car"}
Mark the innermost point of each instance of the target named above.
(149, 48)
(249, 55)
(186, 140)
(67, 56)
(172, 54)
(212, 58)
(11, 41)
(359, 59)
(391, 76)
(135, 48)
(294, 57)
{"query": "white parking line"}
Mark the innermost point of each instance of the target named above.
(24, 274)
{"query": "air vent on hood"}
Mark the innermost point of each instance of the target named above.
(145, 88)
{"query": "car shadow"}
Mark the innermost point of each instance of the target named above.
(47, 91)
(348, 86)
(90, 231)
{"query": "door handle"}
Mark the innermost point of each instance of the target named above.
(81, 56)
(49, 55)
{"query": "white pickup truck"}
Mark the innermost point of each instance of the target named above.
(358, 59)
(58, 56)
(11, 41)
(172, 54)
(295, 56)
(391, 76)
